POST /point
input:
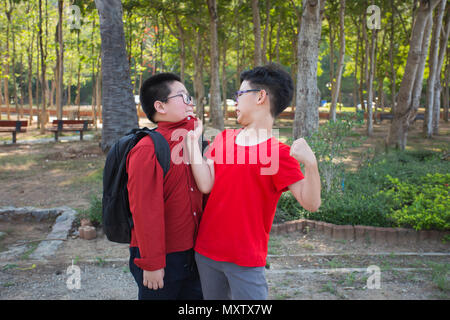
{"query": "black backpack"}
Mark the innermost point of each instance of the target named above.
(116, 215)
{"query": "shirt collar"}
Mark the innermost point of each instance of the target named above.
(186, 123)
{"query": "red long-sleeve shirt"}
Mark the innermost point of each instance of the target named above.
(166, 210)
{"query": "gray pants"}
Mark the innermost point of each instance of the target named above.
(224, 280)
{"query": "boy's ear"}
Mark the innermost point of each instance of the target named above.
(159, 107)
(262, 96)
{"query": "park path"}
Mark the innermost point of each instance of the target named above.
(300, 267)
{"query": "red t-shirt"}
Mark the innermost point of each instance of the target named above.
(249, 181)
(166, 210)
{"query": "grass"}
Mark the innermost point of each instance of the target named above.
(440, 275)
(30, 249)
(275, 246)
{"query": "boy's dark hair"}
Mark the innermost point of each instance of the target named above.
(277, 82)
(155, 88)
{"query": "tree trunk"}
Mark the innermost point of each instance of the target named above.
(119, 109)
(224, 79)
(355, 79)
(447, 89)
(437, 82)
(432, 63)
(7, 75)
(362, 66)
(266, 30)
(257, 33)
(199, 87)
(78, 97)
(373, 57)
(37, 82)
(98, 93)
(51, 93)
(306, 119)
(391, 62)
(340, 66)
(59, 61)
(30, 83)
(216, 115)
(182, 41)
(412, 79)
(277, 46)
(69, 86)
(43, 113)
(366, 57)
(13, 62)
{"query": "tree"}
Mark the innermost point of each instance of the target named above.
(337, 85)
(433, 64)
(411, 85)
(373, 46)
(257, 33)
(8, 12)
(437, 83)
(119, 109)
(306, 120)
(43, 113)
(59, 60)
(216, 115)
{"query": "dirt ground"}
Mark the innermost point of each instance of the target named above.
(300, 266)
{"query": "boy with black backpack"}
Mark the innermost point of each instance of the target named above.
(165, 208)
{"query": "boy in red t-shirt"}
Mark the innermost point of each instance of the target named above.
(245, 172)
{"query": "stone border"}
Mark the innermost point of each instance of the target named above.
(60, 229)
(378, 235)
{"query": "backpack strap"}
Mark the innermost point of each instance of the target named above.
(162, 149)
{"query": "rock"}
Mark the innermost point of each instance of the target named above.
(87, 232)
(86, 222)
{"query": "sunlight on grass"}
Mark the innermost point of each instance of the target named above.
(91, 177)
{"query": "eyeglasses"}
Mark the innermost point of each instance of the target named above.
(186, 98)
(237, 94)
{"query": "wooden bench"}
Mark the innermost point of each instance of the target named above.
(419, 116)
(59, 126)
(389, 116)
(14, 127)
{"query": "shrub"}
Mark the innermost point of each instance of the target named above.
(406, 188)
(329, 143)
(94, 212)
(420, 206)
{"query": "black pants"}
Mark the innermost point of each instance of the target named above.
(181, 279)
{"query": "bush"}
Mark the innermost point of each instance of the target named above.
(401, 188)
(94, 212)
(424, 206)
(329, 143)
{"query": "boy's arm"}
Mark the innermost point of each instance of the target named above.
(146, 178)
(202, 170)
(307, 190)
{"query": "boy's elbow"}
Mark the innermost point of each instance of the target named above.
(205, 190)
(314, 207)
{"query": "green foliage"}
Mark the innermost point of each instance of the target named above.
(408, 189)
(94, 212)
(288, 209)
(421, 206)
(329, 143)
